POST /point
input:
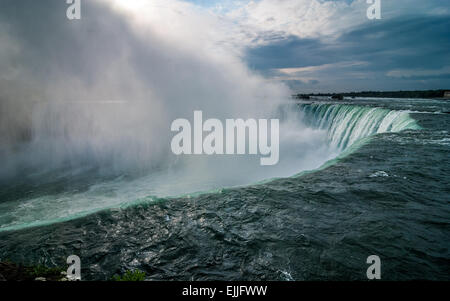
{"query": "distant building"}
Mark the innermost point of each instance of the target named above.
(447, 94)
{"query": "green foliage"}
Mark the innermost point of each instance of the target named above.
(43, 271)
(130, 276)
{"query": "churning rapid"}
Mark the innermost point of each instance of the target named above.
(85, 115)
(334, 126)
(94, 133)
(385, 192)
(346, 124)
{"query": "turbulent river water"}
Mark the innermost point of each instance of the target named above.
(381, 187)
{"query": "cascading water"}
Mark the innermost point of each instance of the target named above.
(95, 133)
(376, 191)
(86, 109)
(309, 136)
(346, 124)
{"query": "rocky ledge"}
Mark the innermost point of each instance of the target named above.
(13, 272)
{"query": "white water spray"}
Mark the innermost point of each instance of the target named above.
(87, 109)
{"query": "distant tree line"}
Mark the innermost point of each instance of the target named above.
(387, 94)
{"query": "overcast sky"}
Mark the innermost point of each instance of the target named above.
(310, 45)
(319, 45)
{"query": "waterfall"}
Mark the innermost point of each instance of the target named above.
(346, 124)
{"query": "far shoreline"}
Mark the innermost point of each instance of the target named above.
(426, 94)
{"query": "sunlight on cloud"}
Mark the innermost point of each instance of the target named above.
(266, 20)
(190, 26)
(291, 71)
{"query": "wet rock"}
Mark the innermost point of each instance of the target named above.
(40, 279)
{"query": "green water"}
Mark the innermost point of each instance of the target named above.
(386, 194)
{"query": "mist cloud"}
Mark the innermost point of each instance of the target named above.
(103, 90)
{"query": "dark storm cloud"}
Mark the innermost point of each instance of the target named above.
(404, 43)
(289, 53)
(409, 42)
